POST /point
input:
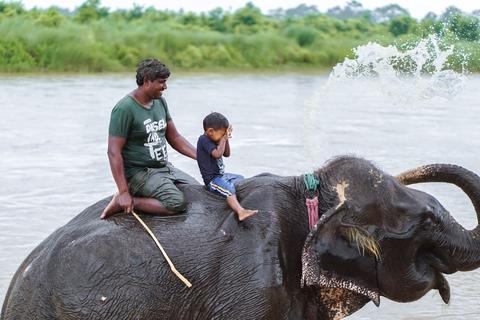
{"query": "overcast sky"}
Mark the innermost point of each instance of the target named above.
(417, 8)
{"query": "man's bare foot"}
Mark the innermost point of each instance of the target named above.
(245, 213)
(112, 208)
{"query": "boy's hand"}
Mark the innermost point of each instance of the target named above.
(229, 131)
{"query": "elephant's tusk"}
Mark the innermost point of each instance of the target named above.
(172, 267)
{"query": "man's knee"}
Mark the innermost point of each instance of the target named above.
(176, 204)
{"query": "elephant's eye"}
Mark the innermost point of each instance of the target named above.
(430, 219)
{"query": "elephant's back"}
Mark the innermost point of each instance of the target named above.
(32, 288)
(91, 266)
(91, 262)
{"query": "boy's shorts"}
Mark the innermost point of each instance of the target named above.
(224, 185)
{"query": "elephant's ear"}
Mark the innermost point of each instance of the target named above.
(335, 250)
(310, 268)
(345, 275)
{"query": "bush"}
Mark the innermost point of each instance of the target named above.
(50, 18)
(95, 39)
(191, 57)
(401, 25)
(303, 35)
(14, 56)
(465, 28)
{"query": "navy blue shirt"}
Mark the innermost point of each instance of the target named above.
(208, 165)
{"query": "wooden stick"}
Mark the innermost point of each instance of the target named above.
(172, 267)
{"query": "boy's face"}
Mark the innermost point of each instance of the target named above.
(216, 135)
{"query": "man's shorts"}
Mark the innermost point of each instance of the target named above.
(160, 184)
(224, 185)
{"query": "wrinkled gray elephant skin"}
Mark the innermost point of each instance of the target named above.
(375, 237)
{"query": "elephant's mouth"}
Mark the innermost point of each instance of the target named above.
(339, 286)
(341, 295)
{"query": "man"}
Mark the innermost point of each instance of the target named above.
(140, 126)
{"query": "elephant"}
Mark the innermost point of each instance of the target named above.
(375, 236)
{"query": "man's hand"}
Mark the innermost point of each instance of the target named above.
(125, 200)
(229, 131)
(120, 202)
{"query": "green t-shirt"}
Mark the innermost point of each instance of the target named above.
(144, 129)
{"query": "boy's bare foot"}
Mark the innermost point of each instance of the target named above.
(112, 208)
(245, 213)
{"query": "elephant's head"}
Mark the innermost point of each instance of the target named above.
(382, 238)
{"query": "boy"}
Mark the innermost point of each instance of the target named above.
(211, 147)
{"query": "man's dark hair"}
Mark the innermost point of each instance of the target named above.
(215, 121)
(152, 69)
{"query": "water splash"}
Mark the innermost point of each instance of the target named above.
(384, 91)
(418, 73)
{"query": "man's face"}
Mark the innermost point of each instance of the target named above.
(155, 87)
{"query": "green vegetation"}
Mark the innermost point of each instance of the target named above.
(96, 39)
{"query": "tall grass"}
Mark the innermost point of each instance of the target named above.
(37, 42)
(102, 46)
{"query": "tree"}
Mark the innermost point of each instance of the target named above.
(51, 17)
(401, 25)
(449, 12)
(135, 13)
(11, 8)
(353, 9)
(301, 11)
(217, 19)
(430, 24)
(189, 18)
(90, 10)
(277, 13)
(466, 28)
(388, 13)
(248, 18)
(431, 16)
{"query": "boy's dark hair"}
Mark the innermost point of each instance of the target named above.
(215, 121)
(152, 69)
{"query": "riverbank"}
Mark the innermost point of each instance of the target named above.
(95, 40)
(178, 71)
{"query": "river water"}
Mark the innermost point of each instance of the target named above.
(53, 133)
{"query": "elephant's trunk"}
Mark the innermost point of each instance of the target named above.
(463, 245)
